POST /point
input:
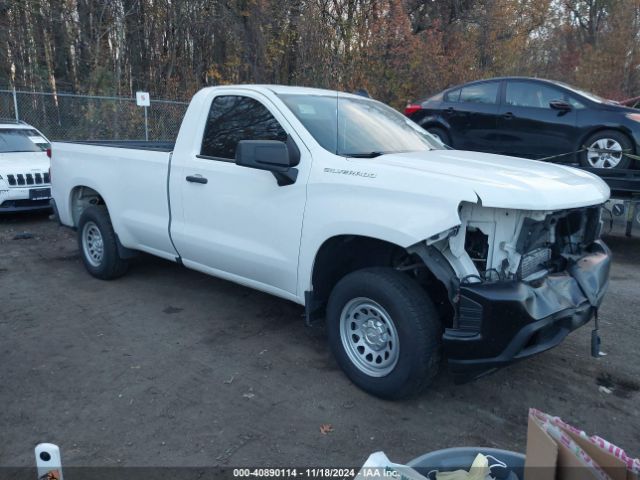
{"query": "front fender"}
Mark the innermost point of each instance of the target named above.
(401, 218)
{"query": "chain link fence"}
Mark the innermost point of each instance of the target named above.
(66, 116)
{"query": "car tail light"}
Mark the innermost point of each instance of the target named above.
(412, 108)
(49, 155)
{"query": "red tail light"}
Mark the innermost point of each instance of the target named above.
(49, 155)
(412, 108)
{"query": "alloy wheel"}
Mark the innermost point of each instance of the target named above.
(604, 153)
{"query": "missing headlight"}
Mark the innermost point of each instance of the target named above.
(476, 244)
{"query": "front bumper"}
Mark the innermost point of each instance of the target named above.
(503, 322)
(14, 200)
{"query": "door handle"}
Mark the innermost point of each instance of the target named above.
(449, 110)
(196, 179)
(508, 115)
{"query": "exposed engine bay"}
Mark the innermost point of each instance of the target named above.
(523, 279)
(493, 244)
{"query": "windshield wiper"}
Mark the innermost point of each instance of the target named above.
(363, 154)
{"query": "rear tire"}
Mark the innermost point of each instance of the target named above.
(99, 245)
(441, 134)
(384, 332)
(607, 140)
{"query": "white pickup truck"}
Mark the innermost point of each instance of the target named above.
(409, 249)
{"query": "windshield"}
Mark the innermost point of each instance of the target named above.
(355, 127)
(21, 140)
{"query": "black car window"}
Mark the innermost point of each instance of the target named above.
(575, 103)
(480, 93)
(452, 96)
(233, 118)
(534, 95)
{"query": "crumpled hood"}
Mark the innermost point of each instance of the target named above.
(23, 162)
(506, 182)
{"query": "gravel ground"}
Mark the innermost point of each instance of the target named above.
(167, 366)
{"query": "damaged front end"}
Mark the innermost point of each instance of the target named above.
(519, 282)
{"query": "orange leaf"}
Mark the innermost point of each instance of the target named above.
(326, 428)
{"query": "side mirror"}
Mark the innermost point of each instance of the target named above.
(560, 105)
(271, 155)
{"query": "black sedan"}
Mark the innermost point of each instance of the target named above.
(534, 118)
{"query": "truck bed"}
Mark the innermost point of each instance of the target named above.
(130, 176)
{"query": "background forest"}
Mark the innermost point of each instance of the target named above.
(397, 49)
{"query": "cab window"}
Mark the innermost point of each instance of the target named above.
(480, 93)
(535, 95)
(452, 96)
(233, 118)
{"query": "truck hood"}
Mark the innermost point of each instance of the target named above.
(505, 182)
(23, 162)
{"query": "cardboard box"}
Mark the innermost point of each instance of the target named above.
(558, 451)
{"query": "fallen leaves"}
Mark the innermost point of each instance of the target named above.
(326, 428)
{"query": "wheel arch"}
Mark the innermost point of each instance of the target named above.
(435, 122)
(343, 254)
(81, 197)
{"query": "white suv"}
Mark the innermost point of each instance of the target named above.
(24, 168)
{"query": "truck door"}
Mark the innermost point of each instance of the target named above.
(232, 221)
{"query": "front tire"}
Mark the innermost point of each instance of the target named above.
(384, 332)
(99, 245)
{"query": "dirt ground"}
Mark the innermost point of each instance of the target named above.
(167, 366)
